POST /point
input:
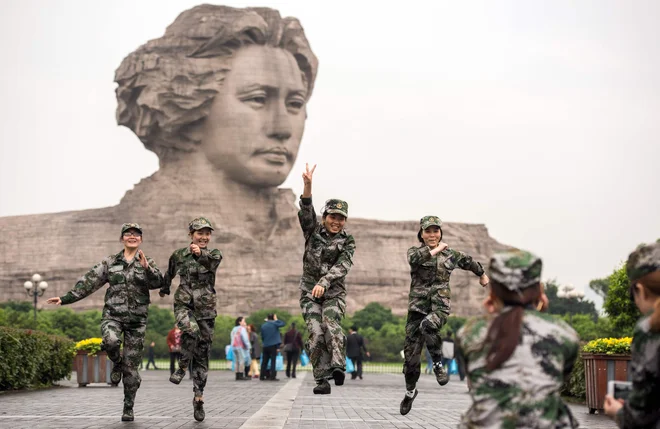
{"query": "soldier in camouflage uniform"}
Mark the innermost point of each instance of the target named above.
(517, 357)
(327, 259)
(194, 306)
(429, 301)
(131, 275)
(642, 408)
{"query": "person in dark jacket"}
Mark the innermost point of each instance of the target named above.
(271, 340)
(152, 355)
(354, 347)
(292, 347)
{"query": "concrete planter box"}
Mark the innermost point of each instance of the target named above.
(598, 370)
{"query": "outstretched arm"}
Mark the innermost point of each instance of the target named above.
(306, 215)
(465, 262)
(88, 284)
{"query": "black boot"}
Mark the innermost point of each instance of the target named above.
(198, 407)
(407, 402)
(129, 400)
(339, 377)
(440, 374)
(178, 376)
(322, 388)
(116, 373)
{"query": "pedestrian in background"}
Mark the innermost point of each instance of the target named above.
(292, 346)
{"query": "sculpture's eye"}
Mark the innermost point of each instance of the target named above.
(255, 99)
(295, 104)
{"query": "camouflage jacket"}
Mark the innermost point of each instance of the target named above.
(430, 274)
(327, 259)
(642, 409)
(524, 391)
(196, 289)
(127, 298)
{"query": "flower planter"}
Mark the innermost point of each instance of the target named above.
(598, 370)
(92, 369)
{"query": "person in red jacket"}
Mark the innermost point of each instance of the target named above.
(174, 344)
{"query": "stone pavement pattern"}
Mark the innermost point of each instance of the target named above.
(290, 404)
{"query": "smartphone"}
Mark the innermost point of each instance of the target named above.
(619, 389)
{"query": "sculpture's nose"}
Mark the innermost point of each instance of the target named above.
(279, 126)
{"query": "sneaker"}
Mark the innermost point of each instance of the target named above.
(440, 373)
(322, 388)
(127, 416)
(198, 407)
(116, 373)
(339, 377)
(178, 376)
(406, 404)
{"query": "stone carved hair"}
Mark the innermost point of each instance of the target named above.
(166, 87)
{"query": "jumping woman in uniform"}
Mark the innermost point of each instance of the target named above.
(194, 306)
(327, 259)
(130, 274)
(429, 301)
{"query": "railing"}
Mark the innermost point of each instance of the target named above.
(367, 367)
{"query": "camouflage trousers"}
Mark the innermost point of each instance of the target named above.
(421, 328)
(111, 331)
(196, 340)
(326, 345)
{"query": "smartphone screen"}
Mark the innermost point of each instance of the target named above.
(620, 389)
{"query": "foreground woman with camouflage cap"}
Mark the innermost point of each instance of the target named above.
(429, 302)
(517, 358)
(194, 306)
(130, 274)
(642, 408)
(327, 259)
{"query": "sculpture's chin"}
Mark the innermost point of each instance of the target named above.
(263, 178)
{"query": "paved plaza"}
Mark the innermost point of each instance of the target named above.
(361, 404)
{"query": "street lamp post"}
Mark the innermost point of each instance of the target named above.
(35, 288)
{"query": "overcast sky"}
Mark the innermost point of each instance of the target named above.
(540, 120)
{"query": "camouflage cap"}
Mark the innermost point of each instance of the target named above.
(200, 223)
(644, 260)
(516, 270)
(125, 227)
(336, 206)
(427, 221)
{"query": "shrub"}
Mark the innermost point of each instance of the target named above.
(32, 358)
(608, 346)
(575, 385)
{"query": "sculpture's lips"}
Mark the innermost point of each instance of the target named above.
(275, 155)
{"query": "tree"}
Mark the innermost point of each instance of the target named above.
(561, 306)
(619, 307)
(600, 286)
(373, 315)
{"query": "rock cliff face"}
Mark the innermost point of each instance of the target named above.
(262, 263)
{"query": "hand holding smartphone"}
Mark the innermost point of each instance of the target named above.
(619, 389)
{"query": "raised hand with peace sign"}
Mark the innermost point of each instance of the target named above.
(307, 180)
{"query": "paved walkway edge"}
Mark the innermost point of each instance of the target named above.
(274, 413)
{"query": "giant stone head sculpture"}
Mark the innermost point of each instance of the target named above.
(231, 84)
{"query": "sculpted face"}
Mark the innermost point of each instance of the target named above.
(256, 121)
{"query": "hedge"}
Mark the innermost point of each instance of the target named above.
(31, 358)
